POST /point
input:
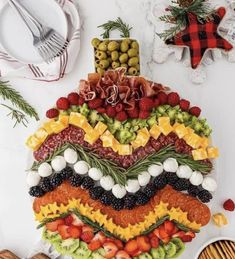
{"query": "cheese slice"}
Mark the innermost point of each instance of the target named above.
(199, 154)
(124, 149)
(213, 152)
(115, 145)
(176, 125)
(57, 126)
(91, 137)
(41, 134)
(166, 129)
(64, 119)
(155, 131)
(204, 142)
(193, 140)
(47, 127)
(33, 143)
(107, 139)
(87, 128)
(100, 127)
(77, 119)
(141, 139)
(163, 120)
(180, 130)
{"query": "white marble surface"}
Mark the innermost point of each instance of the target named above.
(215, 97)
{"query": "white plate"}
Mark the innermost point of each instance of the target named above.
(15, 37)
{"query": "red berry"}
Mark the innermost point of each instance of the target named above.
(121, 116)
(184, 104)
(53, 226)
(87, 236)
(52, 113)
(119, 107)
(134, 113)
(162, 97)
(94, 245)
(63, 231)
(101, 109)
(144, 114)
(186, 238)
(156, 102)
(81, 101)
(74, 232)
(154, 241)
(68, 220)
(95, 103)
(62, 103)
(229, 205)
(110, 111)
(196, 111)
(146, 104)
(73, 98)
(173, 99)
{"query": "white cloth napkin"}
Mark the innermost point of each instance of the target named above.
(61, 65)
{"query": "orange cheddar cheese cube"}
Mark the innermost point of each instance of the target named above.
(155, 131)
(100, 127)
(199, 154)
(213, 152)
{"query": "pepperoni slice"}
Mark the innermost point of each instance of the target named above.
(199, 213)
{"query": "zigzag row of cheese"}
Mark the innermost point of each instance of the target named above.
(200, 144)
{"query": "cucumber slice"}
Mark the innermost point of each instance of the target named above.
(180, 246)
(67, 247)
(170, 249)
(158, 253)
(82, 252)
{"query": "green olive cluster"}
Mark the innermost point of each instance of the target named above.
(111, 54)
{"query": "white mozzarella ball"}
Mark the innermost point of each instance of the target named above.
(44, 170)
(70, 156)
(144, 178)
(209, 184)
(196, 178)
(95, 173)
(107, 182)
(58, 163)
(33, 179)
(155, 170)
(170, 165)
(119, 191)
(132, 186)
(81, 167)
(184, 171)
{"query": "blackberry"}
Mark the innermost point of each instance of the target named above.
(117, 204)
(150, 190)
(36, 191)
(193, 190)
(46, 184)
(171, 177)
(141, 198)
(129, 202)
(181, 185)
(66, 173)
(76, 180)
(56, 180)
(204, 196)
(87, 182)
(160, 181)
(96, 192)
(107, 198)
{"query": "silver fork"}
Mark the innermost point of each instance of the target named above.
(48, 42)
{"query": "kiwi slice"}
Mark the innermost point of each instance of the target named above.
(82, 252)
(50, 236)
(98, 254)
(170, 250)
(180, 246)
(145, 256)
(67, 246)
(158, 253)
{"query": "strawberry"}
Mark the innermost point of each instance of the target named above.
(144, 114)
(94, 245)
(74, 232)
(146, 104)
(229, 205)
(119, 107)
(62, 103)
(173, 99)
(101, 109)
(186, 238)
(134, 113)
(68, 220)
(95, 103)
(53, 226)
(73, 98)
(184, 105)
(169, 227)
(86, 228)
(63, 231)
(100, 236)
(87, 236)
(162, 96)
(179, 234)
(137, 253)
(156, 102)
(110, 111)
(81, 101)
(143, 243)
(154, 241)
(196, 111)
(131, 247)
(77, 221)
(118, 243)
(190, 233)
(121, 254)
(52, 113)
(162, 234)
(110, 249)
(121, 116)
(150, 235)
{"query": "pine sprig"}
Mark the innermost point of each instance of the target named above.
(8, 93)
(115, 25)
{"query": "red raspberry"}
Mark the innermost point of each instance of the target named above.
(173, 99)
(52, 113)
(119, 107)
(101, 110)
(73, 98)
(134, 113)
(162, 96)
(146, 104)
(229, 205)
(196, 111)
(156, 102)
(81, 101)
(121, 116)
(110, 111)
(184, 105)
(62, 103)
(95, 103)
(144, 114)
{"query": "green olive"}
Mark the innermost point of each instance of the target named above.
(137, 67)
(133, 61)
(135, 45)
(132, 52)
(97, 63)
(132, 71)
(124, 65)
(114, 55)
(128, 41)
(123, 58)
(103, 46)
(115, 64)
(113, 45)
(100, 71)
(100, 54)
(124, 46)
(104, 63)
(95, 42)
(109, 60)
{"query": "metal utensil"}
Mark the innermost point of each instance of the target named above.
(48, 42)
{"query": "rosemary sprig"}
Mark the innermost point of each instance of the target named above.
(115, 25)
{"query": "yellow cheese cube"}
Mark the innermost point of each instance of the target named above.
(87, 128)
(91, 137)
(77, 119)
(100, 127)
(181, 130)
(124, 150)
(213, 152)
(219, 219)
(199, 154)
(64, 119)
(204, 142)
(57, 126)
(176, 125)
(47, 127)
(190, 130)
(155, 131)
(193, 140)
(107, 139)
(163, 120)
(166, 129)
(33, 143)
(41, 134)
(144, 131)
(115, 145)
